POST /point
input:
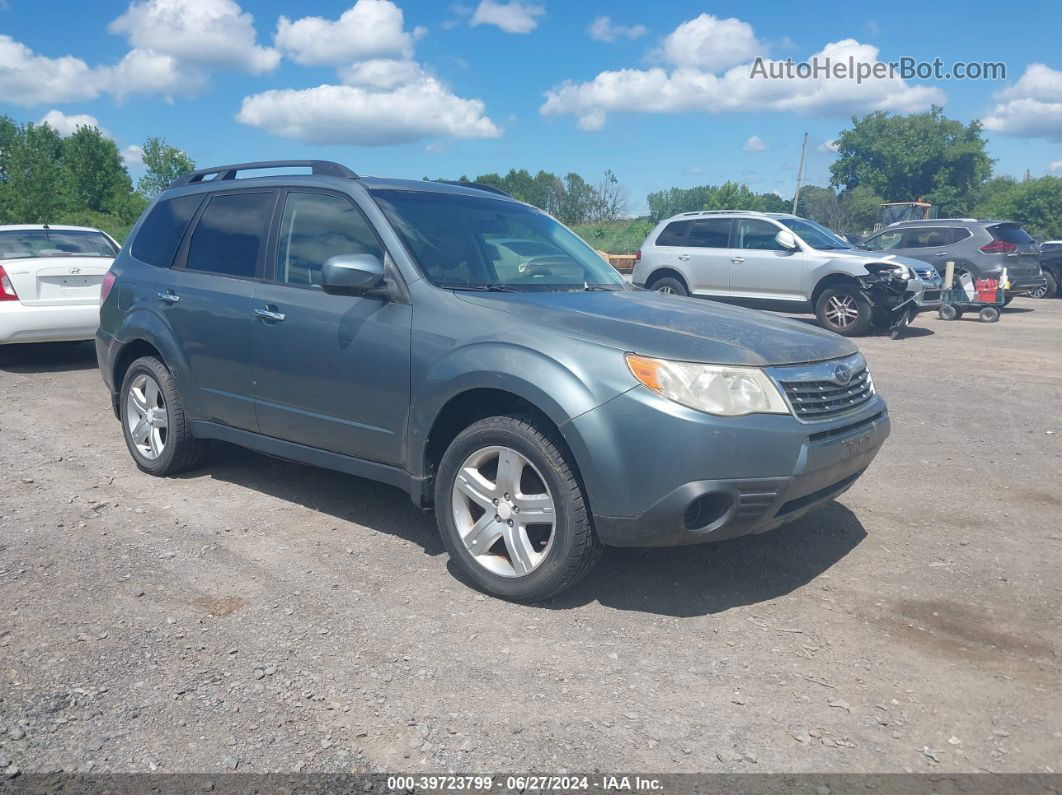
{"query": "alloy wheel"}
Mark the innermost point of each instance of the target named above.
(667, 289)
(503, 511)
(841, 310)
(146, 416)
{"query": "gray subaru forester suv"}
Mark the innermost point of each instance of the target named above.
(393, 330)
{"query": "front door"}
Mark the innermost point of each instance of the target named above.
(330, 371)
(760, 268)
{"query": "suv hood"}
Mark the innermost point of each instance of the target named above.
(669, 327)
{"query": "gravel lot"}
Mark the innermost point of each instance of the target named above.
(263, 616)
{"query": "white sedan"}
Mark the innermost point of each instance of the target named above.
(50, 279)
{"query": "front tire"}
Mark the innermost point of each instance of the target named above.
(844, 310)
(511, 509)
(154, 425)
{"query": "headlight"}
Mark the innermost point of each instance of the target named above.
(712, 388)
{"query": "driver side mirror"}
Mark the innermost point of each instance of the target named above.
(352, 274)
(787, 240)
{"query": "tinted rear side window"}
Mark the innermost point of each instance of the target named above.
(674, 234)
(230, 234)
(1010, 233)
(713, 233)
(162, 230)
(930, 237)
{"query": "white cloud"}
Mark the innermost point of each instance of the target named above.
(828, 146)
(144, 72)
(203, 32)
(755, 144)
(604, 29)
(67, 125)
(710, 43)
(1032, 107)
(697, 89)
(516, 16)
(133, 156)
(358, 116)
(381, 73)
(368, 29)
(27, 78)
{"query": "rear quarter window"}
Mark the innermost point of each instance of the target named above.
(159, 236)
(674, 234)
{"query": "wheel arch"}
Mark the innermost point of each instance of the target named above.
(828, 281)
(664, 272)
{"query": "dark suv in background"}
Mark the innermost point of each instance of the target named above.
(980, 248)
(471, 350)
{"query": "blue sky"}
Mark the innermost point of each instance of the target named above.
(658, 92)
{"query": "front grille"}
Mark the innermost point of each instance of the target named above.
(820, 400)
(927, 273)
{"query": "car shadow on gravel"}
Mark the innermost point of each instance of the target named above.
(711, 578)
(47, 357)
(375, 506)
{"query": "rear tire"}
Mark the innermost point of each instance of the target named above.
(844, 310)
(154, 424)
(669, 285)
(477, 509)
(988, 314)
(1050, 288)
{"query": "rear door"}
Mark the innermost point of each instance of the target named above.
(760, 267)
(206, 301)
(709, 259)
(931, 244)
(330, 371)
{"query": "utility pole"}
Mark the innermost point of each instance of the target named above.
(800, 173)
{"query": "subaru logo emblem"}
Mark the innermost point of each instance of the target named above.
(842, 374)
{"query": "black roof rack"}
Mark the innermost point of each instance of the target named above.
(319, 168)
(474, 186)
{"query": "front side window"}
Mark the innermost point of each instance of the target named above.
(710, 233)
(32, 243)
(757, 235)
(159, 236)
(674, 234)
(816, 235)
(230, 234)
(928, 238)
(484, 243)
(314, 228)
(884, 241)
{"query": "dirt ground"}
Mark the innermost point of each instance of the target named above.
(263, 616)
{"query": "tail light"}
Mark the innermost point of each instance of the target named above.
(999, 247)
(105, 288)
(637, 256)
(7, 289)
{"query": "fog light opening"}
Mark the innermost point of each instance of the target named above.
(707, 509)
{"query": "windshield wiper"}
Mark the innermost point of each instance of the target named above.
(606, 288)
(482, 288)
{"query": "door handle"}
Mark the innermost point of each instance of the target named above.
(737, 260)
(269, 314)
(683, 257)
(168, 297)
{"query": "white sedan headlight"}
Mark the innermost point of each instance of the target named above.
(712, 388)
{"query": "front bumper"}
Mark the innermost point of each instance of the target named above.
(672, 476)
(44, 323)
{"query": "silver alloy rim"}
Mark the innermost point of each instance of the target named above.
(146, 417)
(1040, 291)
(841, 310)
(507, 530)
(666, 289)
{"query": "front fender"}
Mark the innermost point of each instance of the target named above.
(560, 389)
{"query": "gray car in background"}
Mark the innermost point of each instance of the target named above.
(981, 249)
(472, 351)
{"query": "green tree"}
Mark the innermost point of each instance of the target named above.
(855, 210)
(163, 164)
(96, 174)
(35, 185)
(922, 155)
(1036, 203)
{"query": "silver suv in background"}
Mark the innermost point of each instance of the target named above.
(980, 248)
(784, 262)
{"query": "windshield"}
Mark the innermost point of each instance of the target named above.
(474, 242)
(30, 243)
(816, 235)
